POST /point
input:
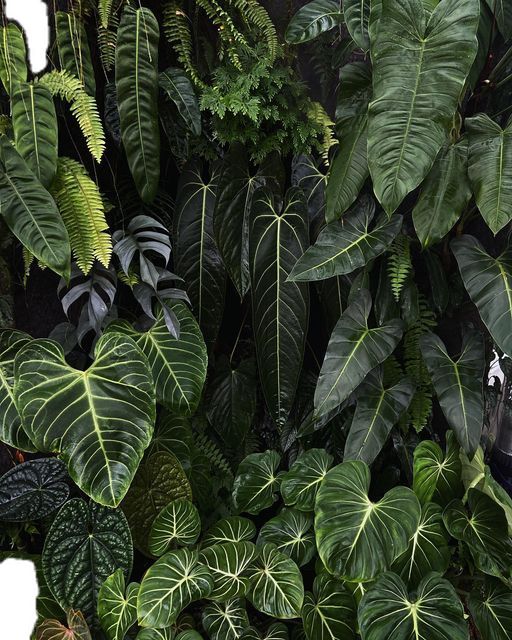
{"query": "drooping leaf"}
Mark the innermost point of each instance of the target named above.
(490, 605)
(225, 620)
(177, 524)
(13, 57)
(77, 628)
(229, 563)
(180, 90)
(117, 605)
(503, 12)
(257, 482)
(312, 19)
(300, 484)
(73, 48)
(291, 531)
(231, 529)
(330, 611)
(357, 14)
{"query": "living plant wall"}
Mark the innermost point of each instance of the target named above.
(255, 271)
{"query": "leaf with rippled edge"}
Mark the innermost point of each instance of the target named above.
(228, 564)
(490, 605)
(231, 529)
(73, 49)
(300, 484)
(291, 531)
(225, 620)
(257, 482)
(330, 611)
(313, 19)
(117, 605)
(177, 524)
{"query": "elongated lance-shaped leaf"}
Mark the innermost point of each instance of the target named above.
(307, 174)
(100, 420)
(437, 476)
(378, 410)
(117, 605)
(278, 236)
(313, 19)
(300, 484)
(292, 533)
(229, 565)
(357, 14)
(225, 620)
(330, 611)
(490, 605)
(73, 48)
(488, 281)
(196, 257)
(35, 129)
(137, 96)
(176, 524)
(444, 196)
(346, 245)
(257, 481)
(420, 65)
(180, 90)
(458, 385)
(353, 351)
(503, 12)
(13, 57)
(231, 529)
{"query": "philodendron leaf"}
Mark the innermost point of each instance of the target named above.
(502, 11)
(419, 60)
(13, 56)
(490, 605)
(99, 420)
(232, 529)
(300, 484)
(292, 533)
(432, 611)
(488, 281)
(257, 482)
(88, 542)
(348, 244)
(73, 49)
(171, 584)
(312, 19)
(180, 90)
(77, 628)
(276, 631)
(458, 385)
(330, 611)
(357, 14)
(117, 605)
(225, 620)
(166, 634)
(32, 490)
(276, 584)
(228, 564)
(177, 524)
(356, 538)
(353, 351)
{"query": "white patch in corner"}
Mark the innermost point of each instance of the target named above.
(32, 15)
(18, 593)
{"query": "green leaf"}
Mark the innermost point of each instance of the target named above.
(13, 57)
(356, 538)
(88, 542)
(137, 97)
(166, 634)
(228, 564)
(77, 628)
(503, 12)
(490, 605)
(353, 351)
(278, 236)
(173, 433)
(30, 212)
(276, 584)
(330, 611)
(378, 410)
(433, 611)
(291, 531)
(313, 19)
(276, 631)
(257, 482)
(73, 48)
(488, 281)
(100, 420)
(181, 91)
(232, 529)
(117, 606)
(177, 524)
(420, 65)
(225, 621)
(300, 484)
(159, 480)
(32, 490)
(357, 14)
(171, 584)
(458, 385)
(445, 193)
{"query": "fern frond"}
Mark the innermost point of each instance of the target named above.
(319, 116)
(105, 12)
(229, 34)
(177, 31)
(211, 451)
(399, 264)
(256, 15)
(81, 206)
(107, 42)
(82, 106)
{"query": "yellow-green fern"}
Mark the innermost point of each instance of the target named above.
(399, 264)
(229, 34)
(254, 14)
(320, 117)
(5, 124)
(177, 31)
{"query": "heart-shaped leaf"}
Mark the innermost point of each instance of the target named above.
(225, 620)
(300, 485)
(257, 482)
(117, 605)
(77, 628)
(490, 605)
(176, 524)
(232, 529)
(312, 19)
(292, 533)
(276, 631)
(330, 611)
(166, 634)
(228, 564)
(180, 90)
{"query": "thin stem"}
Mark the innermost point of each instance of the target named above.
(499, 67)
(504, 81)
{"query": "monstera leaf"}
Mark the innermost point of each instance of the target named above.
(346, 245)
(330, 611)
(77, 628)
(33, 490)
(73, 48)
(89, 542)
(490, 605)
(419, 60)
(172, 583)
(433, 611)
(278, 236)
(137, 96)
(458, 385)
(232, 529)
(257, 481)
(357, 14)
(353, 351)
(300, 484)
(225, 620)
(13, 56)
(228, 564)
(437, 477)
(488, 281)
(176, 524)
(356, 538)
(292, 533)
(99, 420)
(180, 90)
(312, 19)
(276, 584)
(117, 606)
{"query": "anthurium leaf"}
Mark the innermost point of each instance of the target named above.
(177, 524)
(197, 259)
(312, 19)
(357, 538)
(159, 480)
(89, 542)
(502, 11)
(377, 411)
(117, 605)
(458, 385)
(488, 281)
(353, 351)
(166, 634)
(418, 60)
(137, 96)
(228, 564)
(13, 56)
(180, 90)
(173, 433)
(231, 529)
(330, 611)
(357, 14)
(432, 611)
(225, 620)
(31, 213)
(291, 531)
(189, 634)
(32, 490)
(276, 584)
(308, 175)
(171, 584)
(77, 628)
(300, 484)
(444, 195)
(490, 604)
(99, 420)
(276, 631)
(73, 48)
(257, 482)
(278, 236)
